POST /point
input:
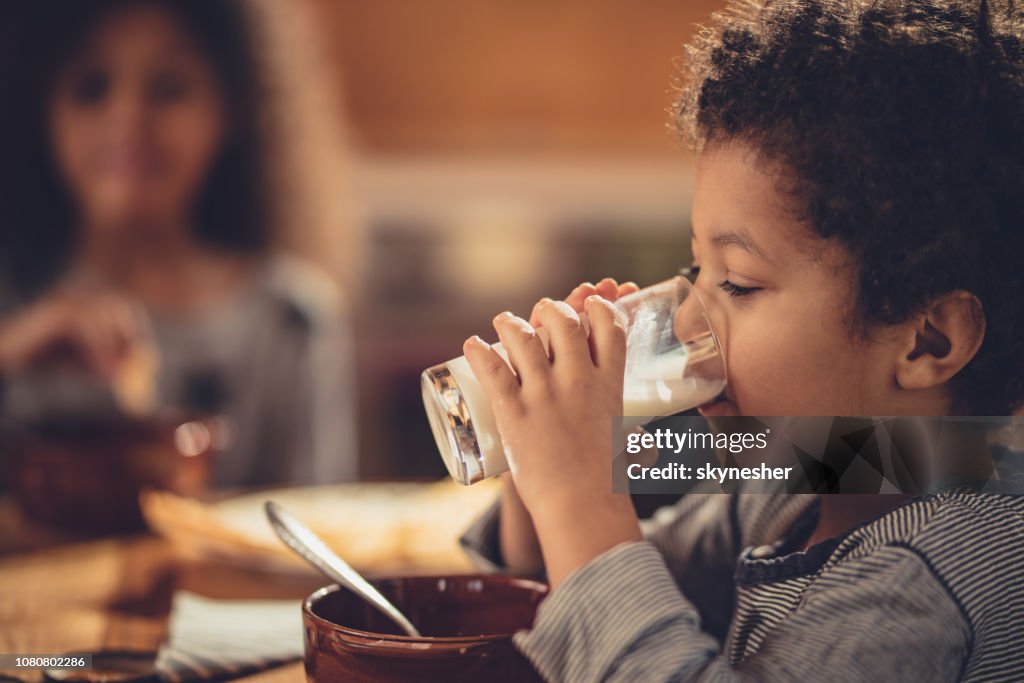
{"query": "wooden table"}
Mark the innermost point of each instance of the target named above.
(115, 594)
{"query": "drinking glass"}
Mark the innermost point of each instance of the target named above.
(674, 362)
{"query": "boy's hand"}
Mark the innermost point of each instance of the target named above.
(607, 288)
(555, 415)
(519, 543)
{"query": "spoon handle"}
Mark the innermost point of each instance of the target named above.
(308, 545)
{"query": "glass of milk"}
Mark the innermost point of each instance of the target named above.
(674, 362)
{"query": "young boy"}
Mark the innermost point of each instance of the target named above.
(857, 223)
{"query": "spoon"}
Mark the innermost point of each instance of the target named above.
(311, 548)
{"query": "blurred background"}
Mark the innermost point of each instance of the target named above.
(233, 233)
(437, 161)
(500, 152)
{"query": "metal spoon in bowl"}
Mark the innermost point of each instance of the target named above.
(311, 548)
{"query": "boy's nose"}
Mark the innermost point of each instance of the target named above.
(693, 318)
(689, 322)
(695, 326)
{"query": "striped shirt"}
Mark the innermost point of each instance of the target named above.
(719, 591)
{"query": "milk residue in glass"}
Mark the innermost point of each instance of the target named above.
(647, 393)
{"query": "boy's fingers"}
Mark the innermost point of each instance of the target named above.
(525, 351)
(491, 370)
(567, 339)
(579, 295)
(607, 336)
(608, 288)
(534, 320)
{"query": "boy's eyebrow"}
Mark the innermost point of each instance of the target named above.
(739, 238)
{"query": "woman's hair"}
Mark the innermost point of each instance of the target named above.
(901, 124)
(37, 216)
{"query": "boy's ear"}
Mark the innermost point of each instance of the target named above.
(941, 341)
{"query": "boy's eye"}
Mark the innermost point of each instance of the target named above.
(735, 290)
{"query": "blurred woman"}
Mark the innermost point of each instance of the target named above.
(133, 179)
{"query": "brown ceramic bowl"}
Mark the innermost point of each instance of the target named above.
(467, 621)
(85, 476)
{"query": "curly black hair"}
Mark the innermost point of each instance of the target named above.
(903, 123)
(37, 216)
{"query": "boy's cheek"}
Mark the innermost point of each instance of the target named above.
(787, 356)
(773, 379)
(795, 391)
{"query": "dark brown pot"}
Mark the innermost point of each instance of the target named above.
(85, 477)
(467, 621)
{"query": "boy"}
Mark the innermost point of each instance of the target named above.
(857, 224)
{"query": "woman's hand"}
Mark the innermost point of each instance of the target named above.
(555, 416)
(96, 330)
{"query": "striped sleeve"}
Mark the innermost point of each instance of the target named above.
(696, 537)
(699, 541)
(621, 618)
(695, 534)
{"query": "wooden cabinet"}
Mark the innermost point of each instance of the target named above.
(514, 76)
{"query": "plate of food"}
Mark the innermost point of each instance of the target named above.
(376, 527)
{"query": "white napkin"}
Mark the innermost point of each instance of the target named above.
(213, 639)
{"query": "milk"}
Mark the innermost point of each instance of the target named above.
(658, 386)
(673, 363)
(655, 387)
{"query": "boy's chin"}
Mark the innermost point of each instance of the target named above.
(718, 407)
